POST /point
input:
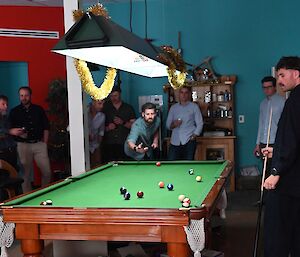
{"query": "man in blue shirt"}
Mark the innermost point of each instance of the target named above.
(186, 122)
(276, 102)
(143, 136)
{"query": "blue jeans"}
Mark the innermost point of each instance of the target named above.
(182, 152)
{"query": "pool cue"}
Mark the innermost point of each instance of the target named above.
(260, 204)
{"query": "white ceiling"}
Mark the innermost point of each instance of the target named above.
(53, 2)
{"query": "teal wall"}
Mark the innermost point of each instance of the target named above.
(12, 76)
(245, 38)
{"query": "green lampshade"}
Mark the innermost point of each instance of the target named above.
(99, 40)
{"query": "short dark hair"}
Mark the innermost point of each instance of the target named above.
(269, 79)
(186, 87)
(148, 106)
(116, 89)
(4, 97)
(26, 88)
(289, 63)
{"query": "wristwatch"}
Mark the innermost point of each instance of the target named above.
(275, 172)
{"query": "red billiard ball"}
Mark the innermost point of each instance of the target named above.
(161, 184)
(140, 194)
(158, 164)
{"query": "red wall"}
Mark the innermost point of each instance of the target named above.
(43, 65)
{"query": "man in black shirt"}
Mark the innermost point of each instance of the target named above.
(30, 126)
(282, 213)
(119, 117)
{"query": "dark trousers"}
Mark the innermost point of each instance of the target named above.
(113, 152)
(282, 225)
(182, 152)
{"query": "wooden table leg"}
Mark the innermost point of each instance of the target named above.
(32, 248)
(178, 249)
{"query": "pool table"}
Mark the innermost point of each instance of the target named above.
(91, 207)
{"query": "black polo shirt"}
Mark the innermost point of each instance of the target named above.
(33, 119)
(126, 113)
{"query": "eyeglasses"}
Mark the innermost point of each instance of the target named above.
(268, 87)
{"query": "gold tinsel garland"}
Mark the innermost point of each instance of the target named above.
(83, 70)
(174, 62)
(88, 82)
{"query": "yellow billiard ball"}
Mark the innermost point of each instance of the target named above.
(181, 197)
(198, 178)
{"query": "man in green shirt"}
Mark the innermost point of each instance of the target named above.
(143, 136)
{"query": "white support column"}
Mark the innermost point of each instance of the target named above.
(74, 102)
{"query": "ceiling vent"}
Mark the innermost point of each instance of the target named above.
(29, 33)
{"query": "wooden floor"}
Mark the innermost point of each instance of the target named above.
(234, 236)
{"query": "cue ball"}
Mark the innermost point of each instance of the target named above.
(48, 202)
(181, 197)
(199, 178)
(140, 194)
(170, 187)
(161, 184)
(158, 164)
(123, 190)
(127, 196)
(191, 171)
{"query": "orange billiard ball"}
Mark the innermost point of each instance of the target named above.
(161, 184)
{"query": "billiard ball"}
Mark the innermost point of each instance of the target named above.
(185, 204)
(140, 194)
(49, 202)
(191, 171)
(187, 200)
(170, 187)
(123, 190)
(181, 197)
(198, 178)
(127, 196)
(158, 164)
(161, 184)
(43, 203)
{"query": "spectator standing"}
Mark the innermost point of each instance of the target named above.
(119, 117)
(96, 120)
(30, 126)
(276, 102)
(186, 122)
(8, 147)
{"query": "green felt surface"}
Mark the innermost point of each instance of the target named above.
(100, 187)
